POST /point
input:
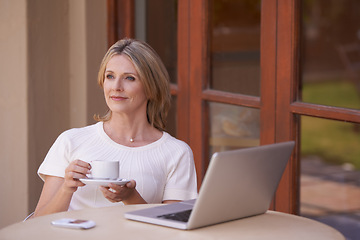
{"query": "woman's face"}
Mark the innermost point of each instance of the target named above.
(124, 93)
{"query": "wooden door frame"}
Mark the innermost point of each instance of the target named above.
(279, 103)
(287, 123)
(279, 45)
(120, 20)
(198, 80)
(289, 108)
(193, 76)
(279, 31)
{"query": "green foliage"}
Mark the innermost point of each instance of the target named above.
(335, 141)
(334, 93)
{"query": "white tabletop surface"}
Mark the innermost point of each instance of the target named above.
(111, 224)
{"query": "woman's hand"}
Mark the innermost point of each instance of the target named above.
(77, 169)
(125, 193)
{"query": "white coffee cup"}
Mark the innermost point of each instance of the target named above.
(101, 169)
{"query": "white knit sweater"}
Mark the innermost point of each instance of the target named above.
(163, 170)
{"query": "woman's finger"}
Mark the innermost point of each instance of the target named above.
(77, 171)
(79, 166)
(131, 184)
(82, 163)
(110, 194)
(75, 175)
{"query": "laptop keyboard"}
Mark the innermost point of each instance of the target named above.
(178, 216)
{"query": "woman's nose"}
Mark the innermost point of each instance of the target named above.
(118, 85)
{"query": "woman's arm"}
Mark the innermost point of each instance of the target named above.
(54, 197)
(57, 192)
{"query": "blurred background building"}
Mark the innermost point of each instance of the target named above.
(243, 73)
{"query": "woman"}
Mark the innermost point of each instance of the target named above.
(136, 90)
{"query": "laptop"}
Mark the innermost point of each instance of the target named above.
(238, 184)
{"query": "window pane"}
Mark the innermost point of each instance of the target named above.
(235, 46)
(156, 23)
(171, 118)
(233, 127)
(330, 174)
(330, 53)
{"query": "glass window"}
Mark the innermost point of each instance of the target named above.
(233, 127)
(330, 53)
(330, 174)
(171, 118)
(235, 46)
(156, 23)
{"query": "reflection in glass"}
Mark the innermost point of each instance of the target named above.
(330, 53)
(171, 118)
(233, 127)
(330, 173)
(235, 46)
(156, 23)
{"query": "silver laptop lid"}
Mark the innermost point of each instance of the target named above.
(240, 183)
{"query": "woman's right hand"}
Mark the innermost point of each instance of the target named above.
(77, 169)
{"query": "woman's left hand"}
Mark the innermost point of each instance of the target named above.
(125, 193)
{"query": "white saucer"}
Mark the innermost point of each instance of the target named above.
(103, 182)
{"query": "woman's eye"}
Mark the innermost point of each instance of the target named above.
(131, 78)
(109, 76)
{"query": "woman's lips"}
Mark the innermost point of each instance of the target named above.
(118, 98)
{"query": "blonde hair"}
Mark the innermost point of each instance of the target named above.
(153, 75)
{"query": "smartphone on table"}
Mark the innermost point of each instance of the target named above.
(73, 223)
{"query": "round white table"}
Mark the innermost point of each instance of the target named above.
(111, 224)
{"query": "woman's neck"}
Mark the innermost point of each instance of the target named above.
(131, 132)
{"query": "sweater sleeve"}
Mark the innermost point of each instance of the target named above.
(181, 183)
